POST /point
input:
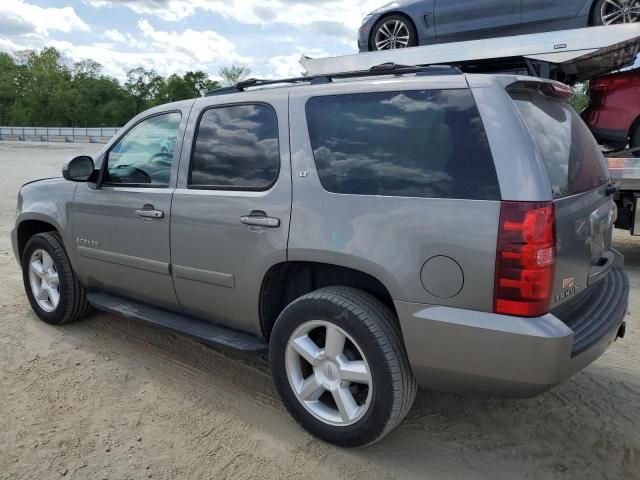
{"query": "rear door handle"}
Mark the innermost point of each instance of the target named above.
(260, 219)
(149, 211)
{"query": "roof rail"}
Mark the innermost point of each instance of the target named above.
(376, 71)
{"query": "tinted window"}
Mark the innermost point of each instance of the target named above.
(572, 158)
(236, 147)
(414, 143)
(145, 154)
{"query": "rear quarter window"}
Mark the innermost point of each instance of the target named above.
(572, 158)
(425, 143)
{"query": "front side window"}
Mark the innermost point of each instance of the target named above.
(236, 148)
(144, 156)
(426, 143)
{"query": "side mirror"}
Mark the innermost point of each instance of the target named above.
(79, 169)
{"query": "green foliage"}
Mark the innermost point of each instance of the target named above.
(233, 74)
(581, 98)
(44, 88)
(8, 87)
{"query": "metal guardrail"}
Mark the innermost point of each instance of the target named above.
(59, 134)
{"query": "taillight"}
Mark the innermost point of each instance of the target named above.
(525, 259)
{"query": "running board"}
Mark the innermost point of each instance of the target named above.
(213, 335)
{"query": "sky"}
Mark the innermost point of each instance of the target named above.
(176, 36)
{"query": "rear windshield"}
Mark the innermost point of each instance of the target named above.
(572, 158)
(425, 143)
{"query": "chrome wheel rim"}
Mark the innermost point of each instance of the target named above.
(328, 373)
(620, 11)
(44, 281)
(391, 35)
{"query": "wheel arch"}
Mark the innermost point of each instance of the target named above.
(287, 281)
(32, 226)
(387, 15)
(632, 128)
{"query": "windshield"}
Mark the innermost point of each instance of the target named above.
(571, 156)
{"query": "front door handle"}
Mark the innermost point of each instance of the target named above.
(258, 218)
(149, 211)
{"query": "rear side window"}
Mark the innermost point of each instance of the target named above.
(571, 156)
(426, 143)
(236, 148)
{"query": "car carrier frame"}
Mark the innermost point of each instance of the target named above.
(569, 56)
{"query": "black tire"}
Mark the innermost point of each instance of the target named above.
(634, 139)
(375, 329)
(596, 17)
(73, 303)
(413, 34)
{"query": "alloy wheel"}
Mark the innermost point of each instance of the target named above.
(620, 11)
(44, 281)
(329, 373)
(391, 35)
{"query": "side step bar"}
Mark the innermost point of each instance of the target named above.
(213, 335)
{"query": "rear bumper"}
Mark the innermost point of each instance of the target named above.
(467, 351)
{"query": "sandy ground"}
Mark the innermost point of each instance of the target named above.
(111, 398)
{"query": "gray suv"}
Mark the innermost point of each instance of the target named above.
(369, 232)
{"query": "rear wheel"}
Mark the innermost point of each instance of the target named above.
(53, 290)
(340, 367)
(393, 32)
(612, 12)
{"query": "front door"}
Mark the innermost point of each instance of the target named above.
(121, 226)
(230, 214)
(467, 18)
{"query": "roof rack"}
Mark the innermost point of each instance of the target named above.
(375, 71)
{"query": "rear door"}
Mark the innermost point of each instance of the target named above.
(230, 212)
(579, 179)
(460, 17)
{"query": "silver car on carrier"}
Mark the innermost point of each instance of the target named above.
(370, 232)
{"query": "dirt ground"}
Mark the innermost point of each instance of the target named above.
(112, 398)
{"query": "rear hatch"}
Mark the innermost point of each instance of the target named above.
(579, 179)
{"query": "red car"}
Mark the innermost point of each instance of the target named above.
(613, 113)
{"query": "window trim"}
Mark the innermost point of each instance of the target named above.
(103, 169)
(229, 188)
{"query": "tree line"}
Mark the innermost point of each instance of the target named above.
(44, 88)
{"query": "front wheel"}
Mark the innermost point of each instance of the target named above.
(613, 12)
(340, 367)
(53, 290)
(393, 32)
